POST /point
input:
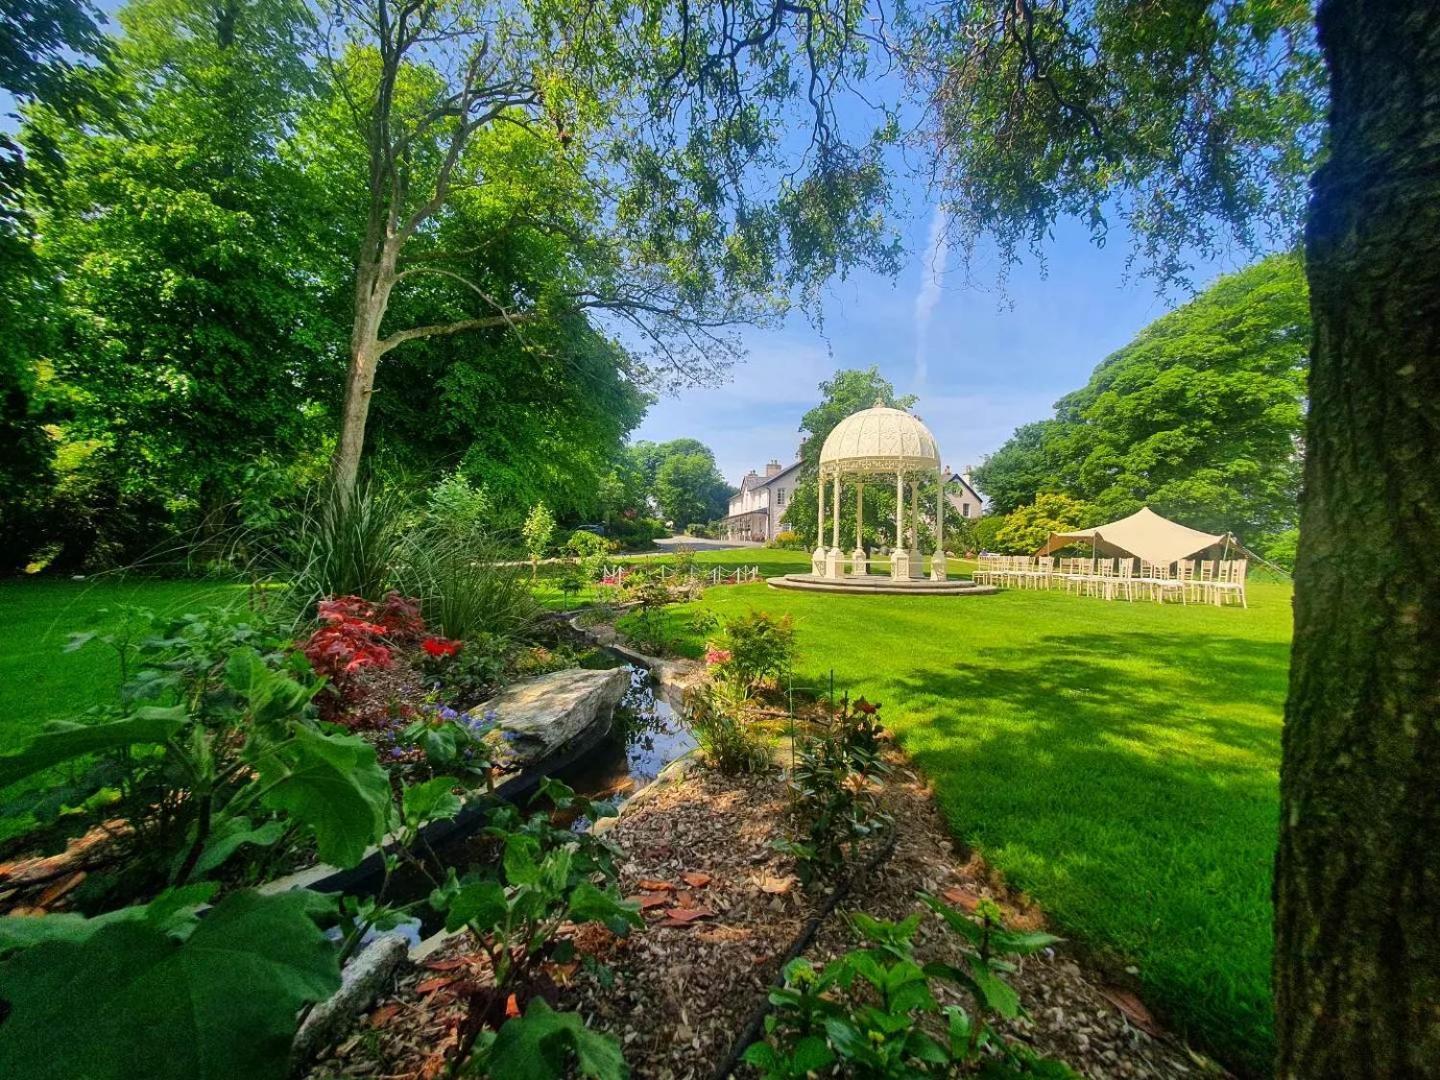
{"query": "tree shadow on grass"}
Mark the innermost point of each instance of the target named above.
(1128, 780)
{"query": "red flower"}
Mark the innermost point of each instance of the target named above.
(439, 646)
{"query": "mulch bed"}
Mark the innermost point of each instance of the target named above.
(723, 910)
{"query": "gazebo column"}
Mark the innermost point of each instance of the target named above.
(817, 560)
(938, 569)
(899, 554)
(857, 557)
(835, 558)
(917, 561)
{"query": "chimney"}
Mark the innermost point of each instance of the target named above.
(772, 468)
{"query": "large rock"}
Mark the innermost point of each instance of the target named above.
(550, 714)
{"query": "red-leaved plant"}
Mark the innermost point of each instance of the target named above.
(354, 635)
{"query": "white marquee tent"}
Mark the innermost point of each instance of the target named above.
(1148, 536)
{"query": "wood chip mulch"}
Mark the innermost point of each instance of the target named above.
(722, 911)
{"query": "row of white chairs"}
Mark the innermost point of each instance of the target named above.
(1214, 581)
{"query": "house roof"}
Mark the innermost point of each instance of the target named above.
(766, 481)
(958, 478)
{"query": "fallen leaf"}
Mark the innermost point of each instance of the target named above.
(649, 900)
(689, 915)
(776, 885)
(383, 1015)
(651, 885)
(963, 898)
(685, 898)
(512, 1008)
(449, 964)
(1133, 1009)
(433, 984)
(695, 879)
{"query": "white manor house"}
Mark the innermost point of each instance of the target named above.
(757, 509)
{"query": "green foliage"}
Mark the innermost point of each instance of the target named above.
(457, 507)
(162, 998)
(843, 394)
(873, 1011)
(465, 589)
(833, 801)
(587, 544)
(1025, 529)
(1199, 417)
(761, 648)
(538, 531)
(190, 308)
(717, 715)
(546, 876)
(350, 547)
(211, 754)
(542, 1044)
(689, 488)
(1198, 127)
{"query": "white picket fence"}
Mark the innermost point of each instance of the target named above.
(717, 575)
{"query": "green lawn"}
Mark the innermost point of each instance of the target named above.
(1118, 761)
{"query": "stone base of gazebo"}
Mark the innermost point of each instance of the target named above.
(878, 584)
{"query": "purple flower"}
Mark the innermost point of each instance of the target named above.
(509, 736)
(396, 752)
(445, 712)
(491, 715)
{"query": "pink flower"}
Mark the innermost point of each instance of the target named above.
(717, 656)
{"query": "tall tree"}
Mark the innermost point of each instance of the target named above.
(1199, 417)
(689, 489)
(1201, 118)
(192, 317)
(675, 119)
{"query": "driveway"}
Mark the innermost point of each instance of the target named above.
(698, 543)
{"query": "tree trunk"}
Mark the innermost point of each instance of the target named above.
(373, 284)
(1357, 883)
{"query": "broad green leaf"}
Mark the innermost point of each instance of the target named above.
(230, 836)
(131, 1001)
(481, 904)
(271, 696)
(811, 1054)
(430, 801)
(333, 784)
(519, 860)
(589, 904)
(66, 740)
(994, 991)
(539, 1046)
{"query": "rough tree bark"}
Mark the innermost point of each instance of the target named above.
(1357, 889)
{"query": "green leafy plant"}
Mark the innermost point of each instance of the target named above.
(546, 875)
(584, 543)
(834, 803)
(537, 532)
(761, 647)
(163, 993)
(873, 1012)
(212, 752)
(465, 588)
(716, 715)
(345, 547)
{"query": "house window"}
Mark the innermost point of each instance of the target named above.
(964, 509)
(779, 496)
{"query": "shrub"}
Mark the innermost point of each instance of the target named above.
(465, 588)
(457, 507)
(761, 647)
(715, 713)
(787, 540)
(538, 531)
(582, 543)
(345, 547)
(873, 1012)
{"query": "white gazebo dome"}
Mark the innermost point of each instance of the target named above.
(879, 439)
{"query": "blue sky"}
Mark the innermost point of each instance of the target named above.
(981, 364)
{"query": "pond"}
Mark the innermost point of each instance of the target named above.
(645, 736)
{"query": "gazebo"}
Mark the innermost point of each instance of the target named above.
(882, 443)
(884, 446)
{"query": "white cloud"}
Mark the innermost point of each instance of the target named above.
(932, 273)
